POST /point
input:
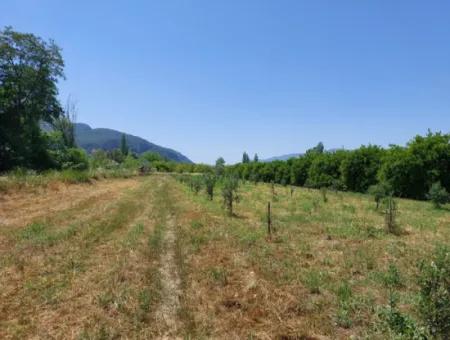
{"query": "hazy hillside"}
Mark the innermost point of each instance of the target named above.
(291, 155)
(283, 157)
(108, 139)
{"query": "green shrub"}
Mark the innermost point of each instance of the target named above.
(392, 277)
(438, 195)
(401, 325)
(76, 159)
(434, 282)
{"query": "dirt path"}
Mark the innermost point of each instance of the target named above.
(167, 312)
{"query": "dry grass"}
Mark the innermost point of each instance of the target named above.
(243, 284)
(145, 258)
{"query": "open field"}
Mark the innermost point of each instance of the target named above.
(147, 258)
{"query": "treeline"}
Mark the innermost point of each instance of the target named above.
(146, 162)
(36, 131)
(408, 171)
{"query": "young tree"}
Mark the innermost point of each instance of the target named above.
(390, 216)
(124, 145)
(379, 192)
(245, 158)
(196, 184)
(210, 181)
(256, 158)
(230, 193)
(29, 72)
(438, 195)
(220, 167)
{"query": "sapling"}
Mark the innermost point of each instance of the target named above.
(390, 215)
(230, 193)
(324, 192)
(196, 184)
(210, 181)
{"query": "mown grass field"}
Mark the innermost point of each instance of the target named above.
(147, 258)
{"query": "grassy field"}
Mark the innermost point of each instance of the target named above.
(147, 258)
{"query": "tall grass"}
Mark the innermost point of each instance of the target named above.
(26, 179)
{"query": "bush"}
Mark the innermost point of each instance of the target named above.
(69, 158)
(434, 282)
(438, 195)
(76, 159)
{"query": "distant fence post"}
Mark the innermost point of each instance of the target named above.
(269, 220)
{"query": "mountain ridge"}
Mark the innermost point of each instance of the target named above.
(107, 139)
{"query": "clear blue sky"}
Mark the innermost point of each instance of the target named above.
(214, 78)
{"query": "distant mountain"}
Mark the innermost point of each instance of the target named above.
(283, 157)
(108, 139)
(294, 155)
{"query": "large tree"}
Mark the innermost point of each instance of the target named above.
(29, 71)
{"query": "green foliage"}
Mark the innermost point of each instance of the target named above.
(64, 157)
(196, 184)
(64, 124)
(401, 171)
(209, 181)
(256, 158)
(325, 169)
(434, 282)
(124, 145)
(245, 158)
(230, 186)
(411, 171)
(29, 71)
(360, 167)
(392, 277)
(401, 325)
(220, 167)
(116, 155)
(438, 195)
(318, 149)
(379, 191)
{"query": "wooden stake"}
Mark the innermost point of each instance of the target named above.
(269, 220)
